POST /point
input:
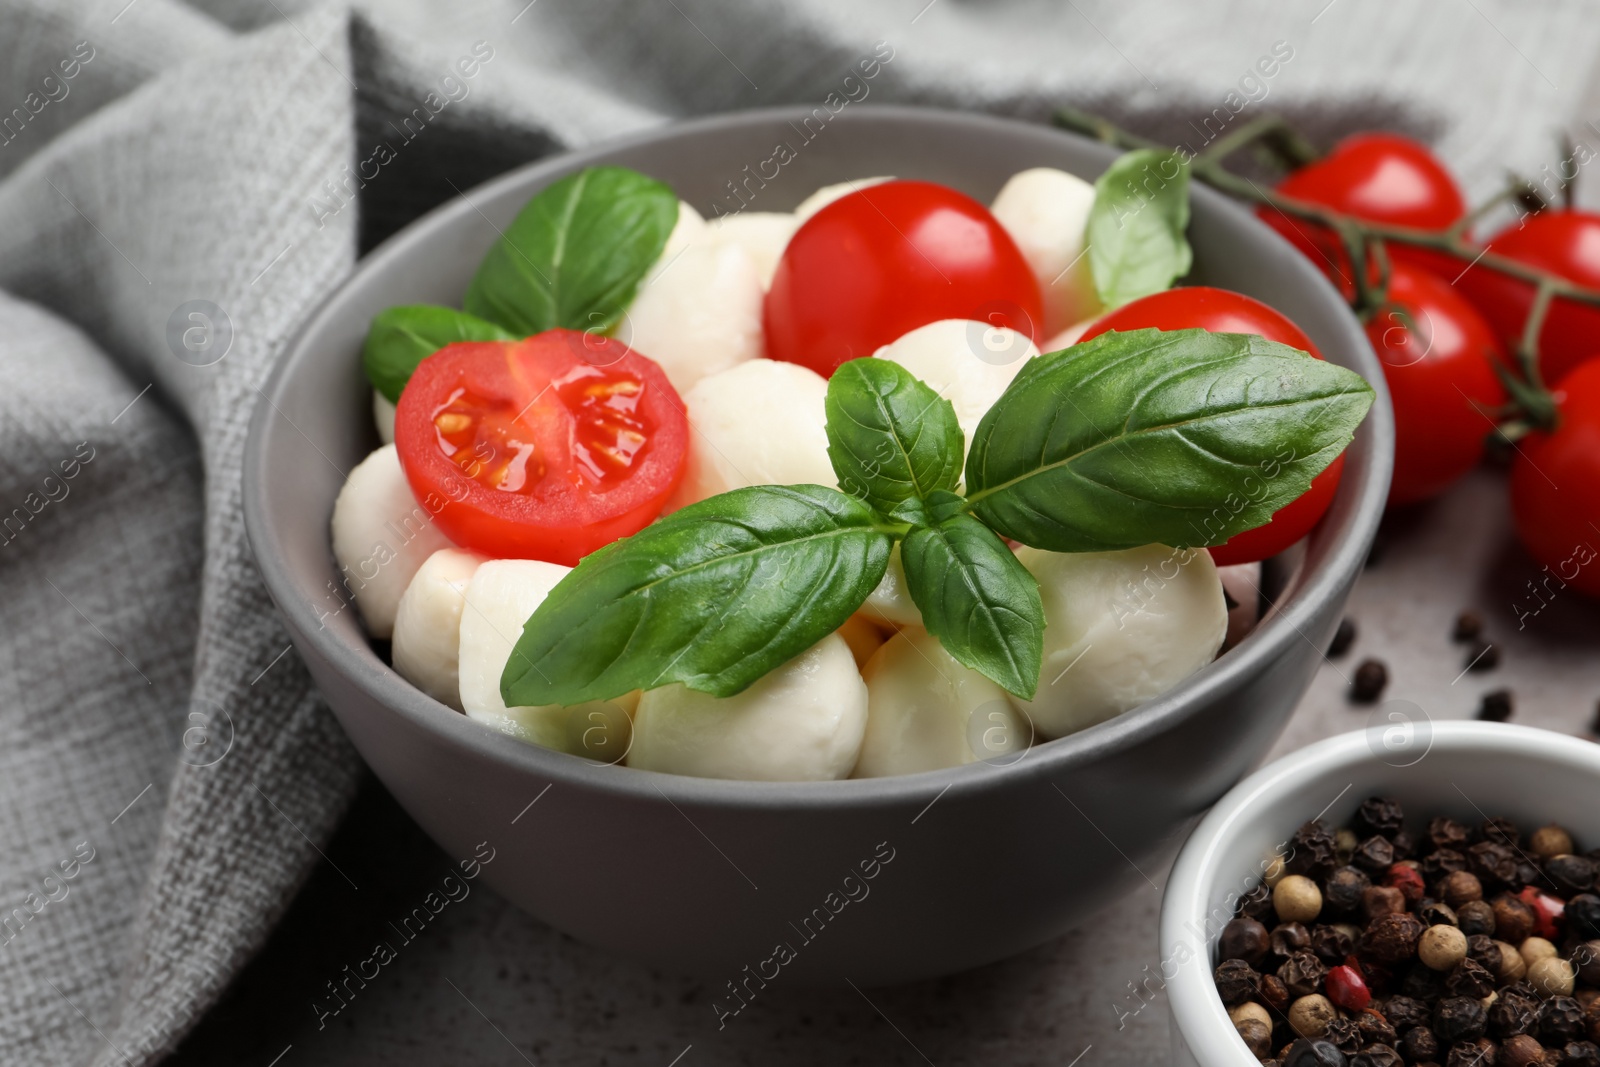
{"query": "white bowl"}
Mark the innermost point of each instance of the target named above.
(1466, 770)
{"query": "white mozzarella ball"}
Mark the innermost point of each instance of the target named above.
(802, 722)
(698, 312)
(926, 711)
(1121, 628)
(427, 625)
(829, 193)
(1070, 336)
(381, 537)
(759, 423)
(501, 596)
(689, 229)
(1242, 584)
(969, 363)
(1046, 212)
(762, 234)
(383, 417)
(890, 604)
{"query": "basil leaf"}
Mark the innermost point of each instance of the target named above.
(401, 337)
(1182, 438)
(713, 596)
(1135, 230)
(977, 598)
(574, 256)
(891, 438)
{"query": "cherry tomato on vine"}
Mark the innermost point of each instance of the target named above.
(1566, 243)
(1221, 311)
(1555, 485)
(879, 262)
(1440, 378)
(1379, 177)
(546, 448)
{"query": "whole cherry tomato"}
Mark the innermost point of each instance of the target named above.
(1566, 243)
(547, 448)
(1555, 486)
(879, 262)
(1221, 311)
(1380, 177)
(1440, 377)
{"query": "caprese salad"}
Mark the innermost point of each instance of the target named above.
(893, 482)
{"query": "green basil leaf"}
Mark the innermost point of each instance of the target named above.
(891, 438)
(1182, 438)
(977, 598)
(713, 596)
(1136, 225)
(401, 337)
(574, 256)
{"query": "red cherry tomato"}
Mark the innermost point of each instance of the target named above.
(1221, 311)
(1436, 377)
(1566, 243)
(1555, 486)
(881, 261)
(547, 448)
(1380, 177)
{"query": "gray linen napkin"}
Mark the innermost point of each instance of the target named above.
(167, 772)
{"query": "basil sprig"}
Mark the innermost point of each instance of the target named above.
(1135, 234)
(1183, 438)
(402, 337)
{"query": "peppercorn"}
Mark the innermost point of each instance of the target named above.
(1515, 1011)
(1302, 974)
(1570, 874)
(1560, 1021)
(1380, 900)
(1467, 628)
(1405, 1012)
(1435, 913)
(1495, 705)
(1591, 1020)
(1289, 938)
(1347, 988)
(1297, 899)
(1580, 1054)
(1547, 910)
(1249, 1010)
(1371, 677)
(1376, 1028)
(1583, 915)
(1344, 1035)
(1442, 947)
(1379, 815)
(1492, 861)
(1486, 952)
(1376, 1056)
(1469, 978)
(1534, 949)
(1405, 846)
(1552, 977)
(1343, 638)
(1443, 861)
(1407, 877)
(1477, 1053)
(1343, 888)
(1243, 939)
(1274, 994)
(1551, 840)
(1313, 852)
(1476, 917)
(1237, 981)
(1482, 656)
(1521, 1051)
(1392, 938)
(1332, 943)
(1344, 843)
(1586, 957)
(1374, 854)
(1514, 919)
(1512, 968)
(1310, 1015)
(1460, 887)
(1527, 873)
(1257, 904)
(1459, 1019)
(1308, 1053)
(1419, 1045)
(1445, 832)
(1257, 1037)
(1422, 983)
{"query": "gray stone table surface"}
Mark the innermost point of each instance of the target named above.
(485, 984)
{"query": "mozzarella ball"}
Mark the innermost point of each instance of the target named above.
(760, 423)
(762, 234)
(829, 193)
(1046, 212)
(381, 537)
(501, 596)
(802, 722)
(1070, 336)
(1121, 628)
(697, 312)
(689, 229)
(926, 711)
(427, 626)
(968, 363)
(383, 417)
(1241, 583)
(890, 604)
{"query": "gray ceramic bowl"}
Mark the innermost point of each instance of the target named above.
(711, 876)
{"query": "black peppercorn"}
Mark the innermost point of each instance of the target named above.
(1580, 1054)
(1375, 1028)
(1437, 913)
(1467, 628)
(1343, 889)
(1289, 938)
(1459, 1019)
(1376, 1056)
(1392, 938)
(1421, 983)
(1369, 681)
(1405, 1012)
(1478, 1053)
(1515, 1011)
(1514, 919)
(1448, 833)
(1379, 815)
(1344, 1035)
(1257, 905)
(1257, 1037)
(1419, 1045)
(1305, 1052)
(1243, 939)
(1332, 944)
(1521, 1051)
(1493, 862)
(1273, 993)
(1469, 978)
(1527, 873)
(1500, 830)
(1495, 706)
(1571, 874)
(1237, 982)
(1343, 638)
(1374, 854)
(1404, 845)
(1460, 887)
(1441, 862)
(1302, 974)
(1476, 917)
(1313, 854)
(1560, 1021)
(1583, 915)
(1482, 950)
(1482, 656)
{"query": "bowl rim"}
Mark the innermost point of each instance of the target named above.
(1199, 1018)
(1262, 647)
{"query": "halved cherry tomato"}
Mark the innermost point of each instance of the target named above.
(1380, 177)
(881, 261)
(547, 448)
(1555, 486)
(1440, 378)
(1221, 311)
(1566, 243)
